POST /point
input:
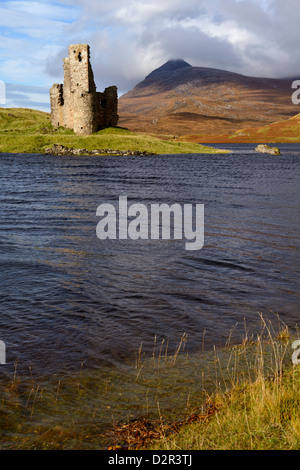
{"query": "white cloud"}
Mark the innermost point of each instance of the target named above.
(200, 30)
(46, 10)
(27, 96)
(129, 39)
(31, 25)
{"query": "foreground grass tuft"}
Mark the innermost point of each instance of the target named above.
(263, 415)
(259, 411)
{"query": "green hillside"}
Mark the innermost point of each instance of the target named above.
(30, 131)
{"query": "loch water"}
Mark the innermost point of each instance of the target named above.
(68, 298)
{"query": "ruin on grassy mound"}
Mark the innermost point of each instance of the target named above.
(76, 104)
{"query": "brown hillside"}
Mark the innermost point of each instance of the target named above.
(178, 99)
(287, 131)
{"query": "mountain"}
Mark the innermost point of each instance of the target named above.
(179, 99)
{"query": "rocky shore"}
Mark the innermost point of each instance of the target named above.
(62, 150)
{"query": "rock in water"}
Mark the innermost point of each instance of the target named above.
(267, 149)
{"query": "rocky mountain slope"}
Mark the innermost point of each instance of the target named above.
(178, 99)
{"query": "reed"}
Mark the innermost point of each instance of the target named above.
(240, 396)
(256, 399)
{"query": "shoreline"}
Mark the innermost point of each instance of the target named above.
(154, 402)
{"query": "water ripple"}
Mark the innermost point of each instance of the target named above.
(67, 298)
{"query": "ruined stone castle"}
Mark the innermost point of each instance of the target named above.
(76, 104)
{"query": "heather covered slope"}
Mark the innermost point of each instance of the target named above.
(281, 131)
(178, 99)
(286, 131)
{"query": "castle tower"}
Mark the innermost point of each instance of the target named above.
(83, 90)
(76, 104)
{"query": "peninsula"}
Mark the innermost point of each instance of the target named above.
(30, 131)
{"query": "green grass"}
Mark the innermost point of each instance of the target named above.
(263, 415)
(30, 131)
(256, 407)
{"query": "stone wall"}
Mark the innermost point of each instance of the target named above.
(109, 106)
(76, 104)
(57, 105)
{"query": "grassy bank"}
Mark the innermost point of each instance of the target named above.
(255, 404)
(243, 396)
(30, 131)
(259, 415)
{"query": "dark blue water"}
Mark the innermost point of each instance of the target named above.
(67, 297)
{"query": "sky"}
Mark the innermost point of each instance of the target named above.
(130, 38)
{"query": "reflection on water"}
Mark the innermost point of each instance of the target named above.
(67, 297)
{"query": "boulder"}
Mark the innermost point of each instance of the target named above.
(262, 148)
